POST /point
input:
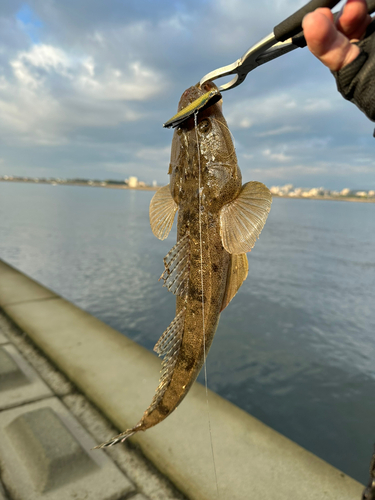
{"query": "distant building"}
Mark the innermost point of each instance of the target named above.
(282, 190)
(133, 182)
(345, 192)
(316, 192)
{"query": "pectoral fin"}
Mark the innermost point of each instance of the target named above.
(162, 212)
(242, 220)
(237, 273)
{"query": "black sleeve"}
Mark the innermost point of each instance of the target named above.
(356, 81)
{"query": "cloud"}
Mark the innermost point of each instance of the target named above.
(278, 131)
(279, 157)
(286, 172)
(277, 108)
(37, 67)
(85, 87)
(53, 92)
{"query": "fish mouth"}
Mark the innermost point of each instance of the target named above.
(195, 92)
(194, 99)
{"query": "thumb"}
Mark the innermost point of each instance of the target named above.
(330, 46)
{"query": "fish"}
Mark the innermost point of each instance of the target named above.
(219, 221)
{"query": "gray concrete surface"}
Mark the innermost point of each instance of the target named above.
(147, 481)
(120, 377)
(22, 383)
(47, 449)
(10, 374)
(46, 454)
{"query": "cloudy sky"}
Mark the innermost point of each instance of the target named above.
(86, 85)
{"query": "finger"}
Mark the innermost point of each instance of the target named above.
(354, 19)
(324, 40)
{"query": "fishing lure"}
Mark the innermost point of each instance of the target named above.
(219, 220)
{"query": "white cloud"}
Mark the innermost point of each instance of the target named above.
(33, 68)
(278, 131)
(281, 157)
(290, 171)
(46, 57)
(53, 92)
(278, 108)
(317, 105)
(247, 156)
(136, 83)
(100, 85)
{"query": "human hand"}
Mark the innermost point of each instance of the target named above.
(330, 42)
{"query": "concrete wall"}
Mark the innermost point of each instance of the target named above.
(119, 377)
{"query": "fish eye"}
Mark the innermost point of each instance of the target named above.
(204, 126)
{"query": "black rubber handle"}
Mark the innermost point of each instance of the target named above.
(292, 25)
(299, 39)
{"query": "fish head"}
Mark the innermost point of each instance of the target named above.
(204, 143)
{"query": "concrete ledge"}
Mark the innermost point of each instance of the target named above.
(10, 293)
(120, 377)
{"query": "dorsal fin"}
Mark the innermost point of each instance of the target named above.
(162, 212)
(177, 265)
(168, 346)
(242, 220)
(237, 273)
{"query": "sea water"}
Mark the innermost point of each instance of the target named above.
(296, 346)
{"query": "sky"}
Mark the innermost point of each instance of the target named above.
(85, 87)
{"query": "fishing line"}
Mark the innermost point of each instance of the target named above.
(203, 317)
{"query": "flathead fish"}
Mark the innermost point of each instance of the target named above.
(219, 220)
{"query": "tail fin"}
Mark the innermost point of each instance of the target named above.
(168, 346)
(120, 438)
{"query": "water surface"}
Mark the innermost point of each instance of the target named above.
(295, 348)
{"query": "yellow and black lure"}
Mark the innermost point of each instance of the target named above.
(203, 102)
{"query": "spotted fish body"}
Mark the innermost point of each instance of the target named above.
(219, 221)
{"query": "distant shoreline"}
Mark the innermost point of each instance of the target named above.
(85, 184)
(327, 198)
(152, 188)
